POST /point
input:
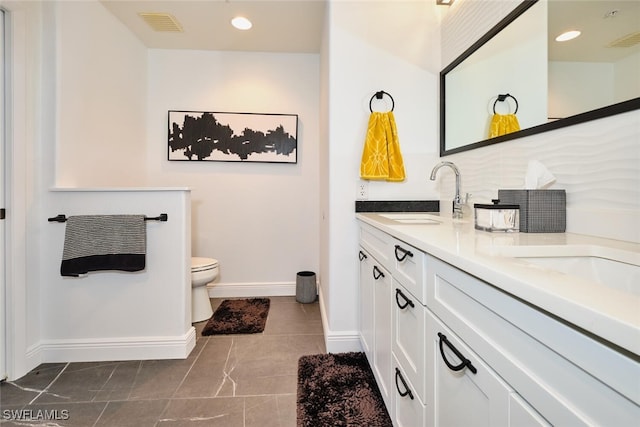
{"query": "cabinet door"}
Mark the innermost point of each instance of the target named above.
(408, 336)
(466, 392)
(409, 411)
(382, 330)
(366, 304)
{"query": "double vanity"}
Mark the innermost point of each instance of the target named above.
(467, 327)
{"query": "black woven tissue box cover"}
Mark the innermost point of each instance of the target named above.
(541, 211)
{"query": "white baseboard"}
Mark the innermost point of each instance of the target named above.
(337, 341)
(257, 289)
(97, 350)
(342, 342)
(32, 359)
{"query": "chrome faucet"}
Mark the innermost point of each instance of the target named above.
(457, 201)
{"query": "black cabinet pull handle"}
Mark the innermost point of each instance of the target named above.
(403, 253)
(465, 362)
(407, 390)
(377, 273)
(407, 301)
(362, 256)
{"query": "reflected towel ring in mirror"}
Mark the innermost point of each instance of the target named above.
(503, 98)
(379, 95)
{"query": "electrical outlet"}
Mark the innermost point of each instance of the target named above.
(363, 190)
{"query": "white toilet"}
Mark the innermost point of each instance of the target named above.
(203, 271)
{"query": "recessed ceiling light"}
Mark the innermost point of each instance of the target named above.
(568, 35)
(241, 23)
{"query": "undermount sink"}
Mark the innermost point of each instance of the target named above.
(411, 218)
(614, 268)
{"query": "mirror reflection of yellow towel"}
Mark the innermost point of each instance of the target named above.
(381, 156)
(502, 124)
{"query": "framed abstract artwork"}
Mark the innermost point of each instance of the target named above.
(233, 137)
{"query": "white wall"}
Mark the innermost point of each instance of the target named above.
(111, 315)
(567, 81)
(265, 213)
(357, 67)
(324, 289)
(260, 220)
(100, 107)
(627, 82)
(48, 316)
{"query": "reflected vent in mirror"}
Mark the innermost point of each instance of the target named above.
(627, 41)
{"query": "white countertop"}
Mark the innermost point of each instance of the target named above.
(612, 314)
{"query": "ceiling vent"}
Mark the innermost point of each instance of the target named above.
(627, 41)
(161, 22)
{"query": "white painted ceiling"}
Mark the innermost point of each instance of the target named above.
(278, 26)
(403, 28)
(296, 25)
(599, 27)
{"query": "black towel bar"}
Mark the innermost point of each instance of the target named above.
(162, 217)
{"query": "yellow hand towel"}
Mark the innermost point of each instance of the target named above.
(502, 124)
(381, 157)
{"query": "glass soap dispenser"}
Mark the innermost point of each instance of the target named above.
(497, 217)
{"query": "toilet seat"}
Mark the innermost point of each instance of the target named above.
(202, 264)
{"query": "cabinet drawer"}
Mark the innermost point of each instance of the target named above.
(409, 266)
(408, 409)
(409, 318)
(466, 392)
(378, 244)
(557, 369)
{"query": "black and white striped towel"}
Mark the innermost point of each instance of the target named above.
(103, 242)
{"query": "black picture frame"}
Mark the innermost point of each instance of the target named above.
(232, 137)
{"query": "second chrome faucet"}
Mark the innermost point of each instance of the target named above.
(458, 203)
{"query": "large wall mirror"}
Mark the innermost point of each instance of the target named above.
(519, 70)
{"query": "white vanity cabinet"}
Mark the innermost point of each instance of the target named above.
(389, 332)
(450, 349)
(569, 377)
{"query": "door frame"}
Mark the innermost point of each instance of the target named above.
(17, 357)
(3, 170)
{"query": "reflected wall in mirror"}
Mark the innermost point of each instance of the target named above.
(554, 84)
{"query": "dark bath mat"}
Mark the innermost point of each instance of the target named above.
(238, 316)
(339, 390)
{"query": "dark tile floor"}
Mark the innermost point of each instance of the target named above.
(227, 380)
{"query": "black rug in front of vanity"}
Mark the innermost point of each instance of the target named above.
(238, 316)
(339, 389)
